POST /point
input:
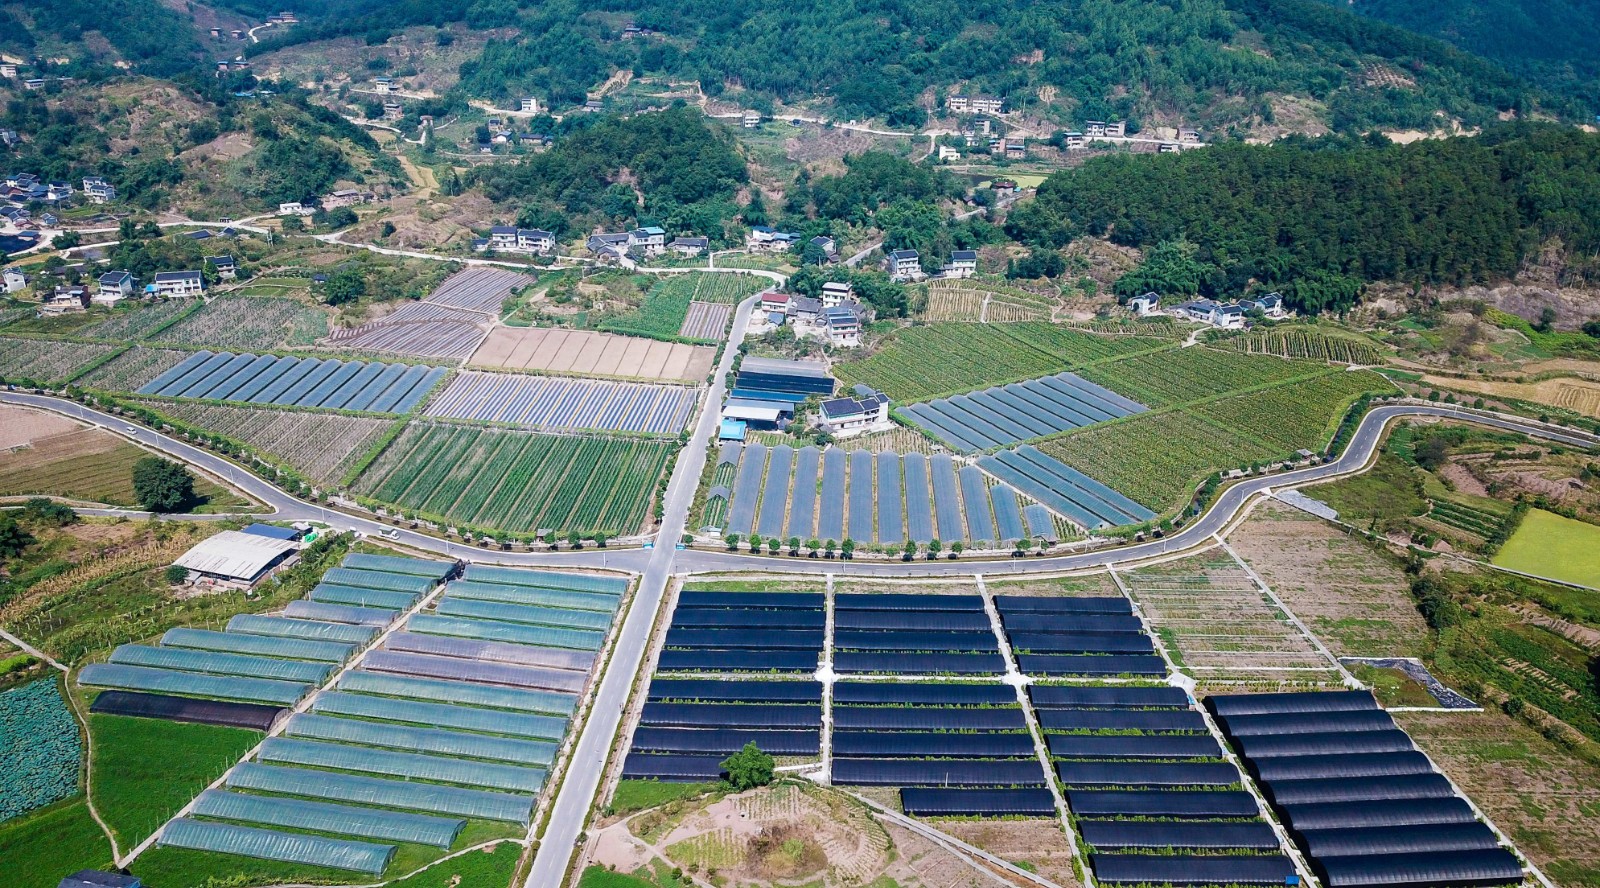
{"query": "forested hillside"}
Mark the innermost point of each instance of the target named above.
(668, 169)
(1315, 218)
(95, 34)
(1554, 43)
(1208, 62)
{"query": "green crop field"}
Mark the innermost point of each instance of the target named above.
(667, 304)
(925, 362)
(1549, 545)
(45, 360)
(518, 481)
(243, 322)
(144, 769)
(43, 847)
(140, 321)
(1156, 459)
(1182, 376)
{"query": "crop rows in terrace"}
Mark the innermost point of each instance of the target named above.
(1156, 459)
(141, 322)
(519, 482)
(133, 369)
(919, 363)
(1303, 343)
(46, 360)
(1191, 374)
(323, 445)
(1298, 415)
(727, 289)
(250, 323)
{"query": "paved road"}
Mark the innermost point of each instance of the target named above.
(570, 812)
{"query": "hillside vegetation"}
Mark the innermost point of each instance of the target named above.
(1317, 218)
(1212, 62)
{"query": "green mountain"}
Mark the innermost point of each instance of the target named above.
(1212, 63)
(1553, 43)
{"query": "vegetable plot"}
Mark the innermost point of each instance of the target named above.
(43, 750)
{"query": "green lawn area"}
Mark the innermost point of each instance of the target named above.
(146, 769)
(36, 851)
(1548, 545)
(637, 795)
(1387, 492)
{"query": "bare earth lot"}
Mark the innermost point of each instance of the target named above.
(1353, 598)
(585, 353)
(20, 426)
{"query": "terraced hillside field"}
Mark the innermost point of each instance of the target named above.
(518, 482)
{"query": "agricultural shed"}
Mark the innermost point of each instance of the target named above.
(235, 558)
(98, 879)
(272, 532)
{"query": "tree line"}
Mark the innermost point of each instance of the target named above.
(1316, 218)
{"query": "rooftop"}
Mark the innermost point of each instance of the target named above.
(235, 554)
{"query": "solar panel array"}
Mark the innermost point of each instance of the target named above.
(886, 498)
(1151, 793)
(444, 722)
(1085, 501)
(1360, 800)
(553, 403)
(1085, 637)
(913, 634)
(299, 382)
(690, 724)
(995, 417)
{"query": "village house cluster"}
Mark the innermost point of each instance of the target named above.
(836, 316)
(333, 200)
(905, 266)
(1222, 315)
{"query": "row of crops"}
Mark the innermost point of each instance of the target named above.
(1157, 459)
(246, 322)
(42, 749)
(45, 360)
(924, 362)
(133, 369)
(517, 481)
(323, 445)
(1191, 374)
(1299, 342)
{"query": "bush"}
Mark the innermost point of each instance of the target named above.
(48, 511)
(748, 768)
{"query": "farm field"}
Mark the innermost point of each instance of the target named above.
(934, 360)
(1556, 547)
(706, 321)
(1155, 459)
(585, 353)
(1575, 394)
(1191, 374)
(1158, 458)
(518, 481)
(146, 769)
(61, 839)
(566, 404)
(48, 361)
(982, 301)
(133, 369)
(249, 322)
(302, 382)
(480, 289)
(1302, 557)
(1308, 342)
(142, 321)
(323, 445)
(416, 330)
(43, 751)
(90, 465)
(1221, 628)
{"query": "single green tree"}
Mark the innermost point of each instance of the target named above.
(574, 540)
(933, 549)
(748, 768)
(13, 539)
(794, 545)
(755, 543)
(956, 548)
(175, 574)
(830, 547)
(733, 542)
(910, 550)
(161, 485)
(773, 545)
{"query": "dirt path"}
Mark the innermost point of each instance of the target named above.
(422, 178)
